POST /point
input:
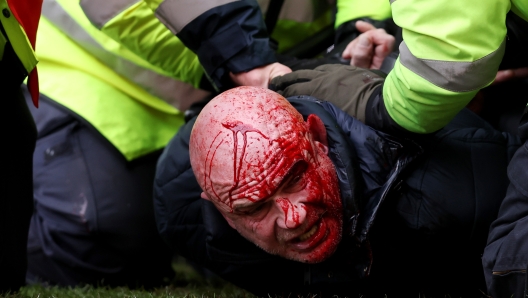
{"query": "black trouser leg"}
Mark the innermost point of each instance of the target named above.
(94, 220)
(16, 192)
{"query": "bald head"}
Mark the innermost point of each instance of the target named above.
(268, 173)
(242, 137)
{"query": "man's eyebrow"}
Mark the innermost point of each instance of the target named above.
(296, 168)
(253, 202)
(293, 170)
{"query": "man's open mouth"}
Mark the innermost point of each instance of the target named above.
(309, 233)
(313, 237)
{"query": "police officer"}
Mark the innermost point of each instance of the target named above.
(105, 114)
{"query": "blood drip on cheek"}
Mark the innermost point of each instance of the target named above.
(286, 206)
(315, 188)
(324, 191)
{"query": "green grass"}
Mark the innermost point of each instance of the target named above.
(94, 292)
(186, 284)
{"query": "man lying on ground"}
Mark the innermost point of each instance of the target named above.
(299, 197)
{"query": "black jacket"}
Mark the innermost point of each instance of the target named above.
(229, 37)
(392, 208)
(505, 258)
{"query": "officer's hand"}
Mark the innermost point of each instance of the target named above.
(347, 87)
(370, 48)
(510, 74)
(260, 76)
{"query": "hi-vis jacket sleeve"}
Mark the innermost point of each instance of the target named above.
(133, 24)
(348, 10)
(227, 35)
(448, 54)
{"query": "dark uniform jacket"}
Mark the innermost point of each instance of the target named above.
(505, 258)
(410, 212)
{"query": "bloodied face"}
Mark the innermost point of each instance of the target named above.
(268, 173)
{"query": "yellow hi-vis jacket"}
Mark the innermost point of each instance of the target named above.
(298, 19)
(450, 51)
(107, 85)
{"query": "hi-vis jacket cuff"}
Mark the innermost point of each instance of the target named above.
(456, 76)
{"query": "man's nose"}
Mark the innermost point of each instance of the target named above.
(293, 215)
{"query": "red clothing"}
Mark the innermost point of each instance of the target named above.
(27, 12)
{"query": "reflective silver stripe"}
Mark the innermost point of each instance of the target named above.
(177, 93)
(392, 1)
(101, 11)
(454, 76)
(175, 14)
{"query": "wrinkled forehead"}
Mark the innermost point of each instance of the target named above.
(242, 151)
(245, 163)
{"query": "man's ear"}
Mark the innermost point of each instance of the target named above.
(318, 130)
(204, 196)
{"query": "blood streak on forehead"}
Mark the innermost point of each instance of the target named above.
(247, 145)
(258, 163)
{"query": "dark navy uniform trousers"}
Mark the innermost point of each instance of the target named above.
(93, 220)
